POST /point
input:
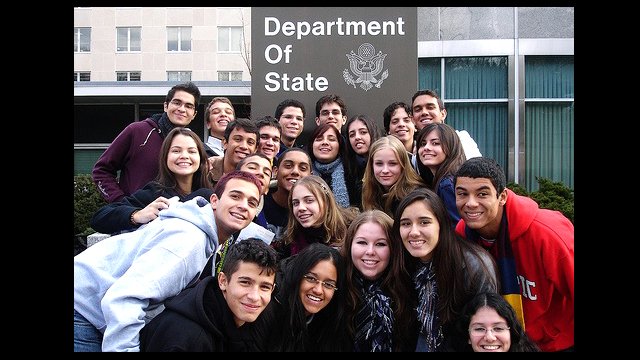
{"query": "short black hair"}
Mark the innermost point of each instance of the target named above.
(250, 250)
(483, 167)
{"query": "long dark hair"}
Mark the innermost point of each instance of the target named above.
(167, 179)
(520, 342)
(449, 261)
(326, 330)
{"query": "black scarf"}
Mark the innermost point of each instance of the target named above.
(164, 124)
(374, 320)
(430, 327)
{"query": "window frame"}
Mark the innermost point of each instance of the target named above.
(78, 37)
(128, 50)
(180, 73)
(180, 32)
(229, 74)
(128, 75)
(230, 42)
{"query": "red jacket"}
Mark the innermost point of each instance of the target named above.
(542, 243)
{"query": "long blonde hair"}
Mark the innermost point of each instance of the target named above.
(373, 194)
(334, 218)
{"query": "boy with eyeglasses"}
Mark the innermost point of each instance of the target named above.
(135, 151)
(331, 109)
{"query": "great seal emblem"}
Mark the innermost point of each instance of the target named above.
(366, 65)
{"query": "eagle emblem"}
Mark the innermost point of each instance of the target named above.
(366, 65)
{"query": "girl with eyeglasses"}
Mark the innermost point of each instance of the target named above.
(307, 310)
(488, 323)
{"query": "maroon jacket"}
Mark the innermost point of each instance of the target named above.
(135, 152)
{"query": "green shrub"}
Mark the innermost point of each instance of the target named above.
(550, 195)
(86, 201)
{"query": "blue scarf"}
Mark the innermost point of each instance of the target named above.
(374, 320)
(338, 184)
(430, 328)
(502, 252)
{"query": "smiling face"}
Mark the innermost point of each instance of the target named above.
(269, 143)
(292, 122)
(426, 110)
(236, 208)
(431, 152)
(183, 158)
(370, 252)
(307, 209)
(419, 230)
(484, 340)
(359, 137)
(240, 145)
(247, 291)
(326, 146)
(479, 205)
(220, 115)
(293, 166)
(386, 167)
(316, 296)
(181, 109)
(260, 168)
(401, 126)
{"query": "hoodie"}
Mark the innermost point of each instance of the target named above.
(197, 320)
(542, 243)
(121, 282)
(134, 152)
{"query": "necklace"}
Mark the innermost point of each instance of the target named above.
(224, 254)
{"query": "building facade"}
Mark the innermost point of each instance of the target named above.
(504, 73)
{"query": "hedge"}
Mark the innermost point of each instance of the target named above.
(551, 195)
(86, 201)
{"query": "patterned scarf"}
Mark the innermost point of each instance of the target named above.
(425, 283)
(501, 251)
(338, 184)
(374, 320)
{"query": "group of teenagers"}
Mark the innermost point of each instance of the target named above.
(403, 242)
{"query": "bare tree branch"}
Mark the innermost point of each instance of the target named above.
(245, 52)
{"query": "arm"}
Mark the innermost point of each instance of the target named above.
(448, 196)
(160, 273)
(106, 168)
(116, 217)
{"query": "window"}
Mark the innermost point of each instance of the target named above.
(229, 38)
(476, 99)
(549, 122)
(229, 75)
(179, 38)
(129, 39)
(128, 75)
(82, 76)
(81, 39)
(179, 75)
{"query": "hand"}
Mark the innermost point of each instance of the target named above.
(150, 212)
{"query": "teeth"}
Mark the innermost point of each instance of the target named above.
(314, 298)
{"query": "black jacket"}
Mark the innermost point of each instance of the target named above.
(196, 320)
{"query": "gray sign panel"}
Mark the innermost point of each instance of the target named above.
(367, 56)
